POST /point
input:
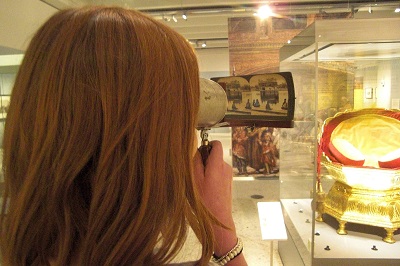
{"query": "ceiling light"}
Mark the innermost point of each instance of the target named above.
(184, 16)
(264, 12)
(174, 18)
(165, 18)
(397, 10)
(204, 44)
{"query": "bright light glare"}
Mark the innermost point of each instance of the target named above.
(397, 10)
(264, 12)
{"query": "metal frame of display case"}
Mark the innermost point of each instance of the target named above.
(325, 46)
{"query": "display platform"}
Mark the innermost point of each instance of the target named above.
(363, 245)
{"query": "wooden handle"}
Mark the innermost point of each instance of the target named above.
(204, 152)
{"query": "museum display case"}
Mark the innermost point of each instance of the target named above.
(340, 67)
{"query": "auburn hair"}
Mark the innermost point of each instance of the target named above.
(98, 144)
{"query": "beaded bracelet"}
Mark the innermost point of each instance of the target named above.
(233, 253)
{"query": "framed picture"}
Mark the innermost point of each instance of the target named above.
(255, 151)
(369, 93)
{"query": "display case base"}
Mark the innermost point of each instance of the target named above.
(355, 248)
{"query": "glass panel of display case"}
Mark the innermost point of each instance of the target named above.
(345, 75)
(297, 164)
(6, 84)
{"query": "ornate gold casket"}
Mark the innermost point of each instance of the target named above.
(361, 151)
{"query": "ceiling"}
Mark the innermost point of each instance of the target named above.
(207, 20)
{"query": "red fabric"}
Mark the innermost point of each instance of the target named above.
(343, 159)
(390, 164)
(334, 154)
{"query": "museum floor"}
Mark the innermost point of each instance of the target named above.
(256, 250)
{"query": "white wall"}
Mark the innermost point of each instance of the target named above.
(213, 62)
(395, 84)
(383, 78)
(384, 84)
(19, 20)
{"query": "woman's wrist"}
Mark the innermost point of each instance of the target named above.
(230, 255)
(225, 239)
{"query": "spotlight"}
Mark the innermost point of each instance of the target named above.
(397, 10)
(174, 18)
(204, 44)
(184, 16)
(264, 12)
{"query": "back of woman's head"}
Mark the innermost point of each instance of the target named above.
(98, 143)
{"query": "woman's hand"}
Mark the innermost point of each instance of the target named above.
(214, 182)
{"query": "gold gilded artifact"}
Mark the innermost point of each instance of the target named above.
(361, 151)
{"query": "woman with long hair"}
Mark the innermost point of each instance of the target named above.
(100, 161)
